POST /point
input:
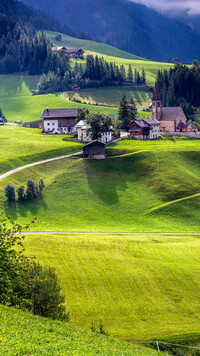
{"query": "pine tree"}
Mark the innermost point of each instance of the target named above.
(130, 74)
(123, 114)
(132, 110)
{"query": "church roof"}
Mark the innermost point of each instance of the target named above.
(156, 94)
(170, 113)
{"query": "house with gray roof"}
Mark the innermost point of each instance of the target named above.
(146, 129)
(60, 121)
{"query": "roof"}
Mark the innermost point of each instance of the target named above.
(71, 51)
(192, 126)
(141, 123)
(152, 121)
(156, 94)
(170, 113)
(181, 125)
(92, 142)
(59, 113)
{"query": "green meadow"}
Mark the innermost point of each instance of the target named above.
(22, 145)
(150, 186)
(112, 95)
(141, 287)
(25, 334)
(112, 54)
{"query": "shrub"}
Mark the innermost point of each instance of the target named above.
(10, 193)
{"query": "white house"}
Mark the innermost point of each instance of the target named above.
(60, 121)
(145, 129)
(84, 137)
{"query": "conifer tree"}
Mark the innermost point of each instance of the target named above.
(130, 74)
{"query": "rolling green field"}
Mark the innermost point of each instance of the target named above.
(21, 146)
(149, 186)
(112, 95)
(25, 334)
(112, 54)
(142, 287)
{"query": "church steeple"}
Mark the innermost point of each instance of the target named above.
(156, 104)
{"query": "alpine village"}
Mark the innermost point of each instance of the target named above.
(99, 177)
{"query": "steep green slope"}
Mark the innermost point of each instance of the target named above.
(142, 287)
(88, 195)
(25, 334)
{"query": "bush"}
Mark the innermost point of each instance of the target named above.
(10, 193)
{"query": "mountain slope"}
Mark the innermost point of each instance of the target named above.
(129, 26)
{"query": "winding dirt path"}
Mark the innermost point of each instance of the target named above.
(7, 174)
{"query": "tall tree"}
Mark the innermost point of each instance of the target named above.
(98, 124)
(123, 114)
(130, 74)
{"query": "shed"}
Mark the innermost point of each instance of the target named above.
(94, 150)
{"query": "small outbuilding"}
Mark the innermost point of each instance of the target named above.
(192, 128)
(94, 150)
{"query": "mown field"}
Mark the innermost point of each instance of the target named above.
(21, 146)
(149, 186)
(112, 96)
(112, 54)
(142, 287)
(25, 334)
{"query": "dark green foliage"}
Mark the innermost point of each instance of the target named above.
(97, 73)
(30, 190)
(130, 74)
(2, 115)
(23, 282)
(127, 113)
(58, 38)
(81, 115)
(129, 26)
(99, 123)
(21, 194)
(10, 193)
(33, 190)
(180, 86)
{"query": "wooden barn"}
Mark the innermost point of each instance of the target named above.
(94, 150)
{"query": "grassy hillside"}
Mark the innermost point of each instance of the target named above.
(25, 334)
(112, 95)
(142, 287)
(21, 146)
(111, 54)
(156, 182)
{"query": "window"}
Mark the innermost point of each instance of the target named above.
(53, 123)
(48, 124)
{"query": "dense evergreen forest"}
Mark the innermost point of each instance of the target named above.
(126, 25)
(21, 49)
(96, 73)
(180, 86)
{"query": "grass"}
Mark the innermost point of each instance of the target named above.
(156, 182)
(25, 334)
(112, 54)
(112, 95)
(142, 287)
(21, 146)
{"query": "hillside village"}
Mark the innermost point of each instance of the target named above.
(100, 177)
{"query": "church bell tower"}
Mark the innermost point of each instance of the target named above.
(156, 104)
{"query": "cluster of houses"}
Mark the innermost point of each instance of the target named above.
(165, 120)
(77, 52)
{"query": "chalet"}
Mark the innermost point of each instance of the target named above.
(74, 52)
(172, 119)
(144, 129)
(94, 150)
(82, 128)
(60, 121)
(62, 49)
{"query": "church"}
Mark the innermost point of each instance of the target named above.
(172, 119)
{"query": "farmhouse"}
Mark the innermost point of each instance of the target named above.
(172, 119)
(82, 128)
(145, 129)
(77, 52)
(60, 121)
(94, 150)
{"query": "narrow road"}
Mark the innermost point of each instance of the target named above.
(115, 233)
(2, 176)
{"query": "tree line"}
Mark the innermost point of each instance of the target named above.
(180, 86)
(33, 191)
(97, 72)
